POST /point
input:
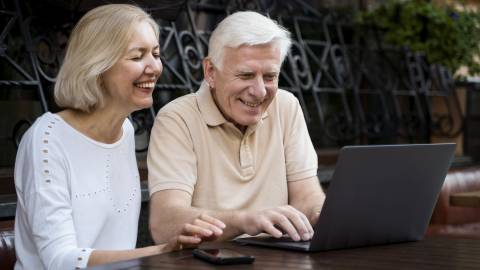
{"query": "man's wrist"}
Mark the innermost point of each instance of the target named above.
(234, 221)
(314, 214)
(238, 217)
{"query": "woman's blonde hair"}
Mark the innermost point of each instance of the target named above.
(96, 43)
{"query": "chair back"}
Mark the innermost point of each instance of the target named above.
(7, 245)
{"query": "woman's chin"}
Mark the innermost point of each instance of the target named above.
(143, 104)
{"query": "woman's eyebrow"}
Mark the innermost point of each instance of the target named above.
(142, 49)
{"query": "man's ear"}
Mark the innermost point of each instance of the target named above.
(209, 72)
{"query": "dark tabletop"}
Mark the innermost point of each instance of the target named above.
(431, 253)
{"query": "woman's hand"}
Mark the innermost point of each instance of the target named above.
(203, 228)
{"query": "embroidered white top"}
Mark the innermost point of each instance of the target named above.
(74, 195)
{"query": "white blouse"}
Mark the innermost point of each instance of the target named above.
(74, 195)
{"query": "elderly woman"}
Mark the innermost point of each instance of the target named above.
(76, 174)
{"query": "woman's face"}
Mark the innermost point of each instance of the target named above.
(130, 82)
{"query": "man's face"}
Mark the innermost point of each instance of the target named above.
(247, 83)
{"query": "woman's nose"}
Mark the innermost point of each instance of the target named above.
(154, 66)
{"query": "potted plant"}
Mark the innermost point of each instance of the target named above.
(447, 35)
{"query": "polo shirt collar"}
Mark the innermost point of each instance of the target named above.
(208, 108)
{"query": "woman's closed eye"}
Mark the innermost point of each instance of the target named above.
(140, 57)
(136, 57)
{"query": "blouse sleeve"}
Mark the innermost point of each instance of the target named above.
(42, 171)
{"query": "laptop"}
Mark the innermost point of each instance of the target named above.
(379, 194)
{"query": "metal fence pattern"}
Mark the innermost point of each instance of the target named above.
(353, 90)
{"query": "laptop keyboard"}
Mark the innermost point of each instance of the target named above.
(283, 239)
(286, 241)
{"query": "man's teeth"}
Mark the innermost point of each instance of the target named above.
(146, 84)
(251, 104)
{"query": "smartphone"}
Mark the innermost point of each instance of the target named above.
(222, 256)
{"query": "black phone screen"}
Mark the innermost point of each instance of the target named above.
(223, 253)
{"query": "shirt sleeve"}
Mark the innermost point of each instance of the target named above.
(172, 163)
(45, 195)
(300, 156)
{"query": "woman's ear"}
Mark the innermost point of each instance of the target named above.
(209, 72)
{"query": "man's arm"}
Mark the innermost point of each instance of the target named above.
(307, 196)
(170, 209)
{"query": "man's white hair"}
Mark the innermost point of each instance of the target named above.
(247, 28)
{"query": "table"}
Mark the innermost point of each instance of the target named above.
(431, 253)
(465, 199)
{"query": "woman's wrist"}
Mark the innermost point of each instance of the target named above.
(158, 249)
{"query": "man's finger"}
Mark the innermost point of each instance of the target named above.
(285, 224)
(309, 234)
(269, 228)
(301, 225)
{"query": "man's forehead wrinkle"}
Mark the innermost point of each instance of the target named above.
(229, 69)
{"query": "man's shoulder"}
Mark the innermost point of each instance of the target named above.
(286, 101)
(285, 97)
(184, 105)
(284, 94)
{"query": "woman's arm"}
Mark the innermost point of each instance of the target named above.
(46, 214)
(202, 228)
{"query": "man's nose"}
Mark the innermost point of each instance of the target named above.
(258, 88)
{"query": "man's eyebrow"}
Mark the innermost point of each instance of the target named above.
(273, 72)
(142, 49)
(244, 72)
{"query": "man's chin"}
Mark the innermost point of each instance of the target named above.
(249, 122)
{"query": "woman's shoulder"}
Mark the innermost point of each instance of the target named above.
(43, 127)
(42, 138)
(39, 148)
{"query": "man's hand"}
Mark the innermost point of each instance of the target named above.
(203, 228)
(277, 221)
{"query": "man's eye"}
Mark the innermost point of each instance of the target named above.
(245, 76)
(270, 77)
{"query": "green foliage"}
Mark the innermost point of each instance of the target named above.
(447, 36)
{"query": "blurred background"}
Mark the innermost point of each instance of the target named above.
(365, 71)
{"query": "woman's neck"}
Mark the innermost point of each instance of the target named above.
(101, 125)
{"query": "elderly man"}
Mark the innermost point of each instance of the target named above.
(238, 149)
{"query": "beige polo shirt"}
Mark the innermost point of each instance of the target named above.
(194, 149)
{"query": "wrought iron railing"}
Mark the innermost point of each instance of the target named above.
(352, 89)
